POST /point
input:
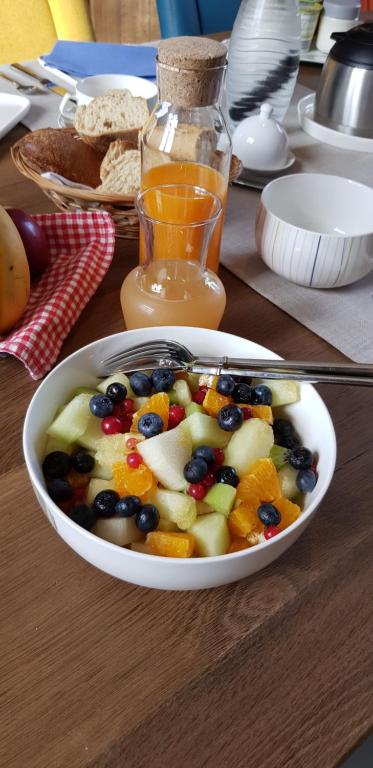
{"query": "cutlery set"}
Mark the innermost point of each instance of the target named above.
(44, 85)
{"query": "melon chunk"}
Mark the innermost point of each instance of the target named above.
(73, 420)
(117, 530)
(283, 391)
(211, 534)
(252, 441)
(119, 378)
(176, 507)
(166, 455)
(204, 430)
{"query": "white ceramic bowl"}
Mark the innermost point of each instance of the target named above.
(96, 85)
(310, 417)
(316, 229)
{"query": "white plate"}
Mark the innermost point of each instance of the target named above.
(12, 109)
(328, 135)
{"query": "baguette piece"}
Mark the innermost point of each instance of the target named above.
(62, 151)
(115, 115)
(124, 176)
(117, 149)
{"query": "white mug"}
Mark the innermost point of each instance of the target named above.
(91, 87)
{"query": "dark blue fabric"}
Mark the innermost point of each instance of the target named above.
(85, 59)
(196, 17)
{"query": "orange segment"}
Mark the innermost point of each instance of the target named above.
(288, 510)
(213, 402)
(261, 482)
(170, 544)
(132, 482)
(244, 520)
(262, 412)
(237, 544)
(158, 403)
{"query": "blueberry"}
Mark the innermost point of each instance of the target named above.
(128, 506)
(288, 441)
(242, 393)
(268, 514)
(82, 462)
(150, 424)
(261, 395)
(225, 384)
(206, 453)
(56, 464)
(306, 480)
(117, 392)
(230, 418)
(140, 384)
(163, 379)
(83, 515)
(227, 475)
(101, 406)
(283, 427)
(300, 458)
(59, 490)
(242, 379)
(148, 518)
(104, 503)
(195, 470)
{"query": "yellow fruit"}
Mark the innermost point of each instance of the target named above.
(158, 403)
(263, 412)
(213, 402)
(244, 520)
(14, 274)
(170, 544)
(289, 512)
(261, 482)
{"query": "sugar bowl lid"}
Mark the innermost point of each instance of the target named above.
(355, 47)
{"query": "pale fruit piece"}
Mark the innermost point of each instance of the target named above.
(95, 486)
(121, 378)
(167, 525)
(204, 430)
(287, 476)
(166, 455)
(73, 420)
(56, 444)
(139, 402)
(283, 391)
(193, 381)
(211, 535)
(183, 394)
(92, 435)
(111, 448)
(252, 441)
(193, 408)
(203, 508)
(208, 380)
(221, 498)
(176, 507)
(117, 530)
(101, 470)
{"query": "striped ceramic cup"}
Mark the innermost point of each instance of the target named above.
(316, 229)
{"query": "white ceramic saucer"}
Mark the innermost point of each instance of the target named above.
(272, 171)
(328, 135)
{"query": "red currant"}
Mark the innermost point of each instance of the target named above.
(219, 456)
(131, 443)
(175, 415)
(126, 423)
(134, 460)
(128, 406)
(197, 491)
(271, 531)
(246, 413)
(208, 480)
(111, 425)
(79, 494)
(199, 396)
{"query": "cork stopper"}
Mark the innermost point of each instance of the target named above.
(190, 70)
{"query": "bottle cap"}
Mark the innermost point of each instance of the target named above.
(190, 70)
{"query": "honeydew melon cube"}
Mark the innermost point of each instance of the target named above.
(287, 476)
(283, 391)
(139, 402)
(193, 381)
(73, 420)
(176, 507)
(95, 486)
(117, 530)
(183, 394)
(221, 498)
(167, 525)
(56, 444)
(193, 408)
(166, 455)
(252, 441)
(84, 391)
(113, 448)
(204, 430)
(211, 535)
(102, 471)
(92, 435)
(121, 378)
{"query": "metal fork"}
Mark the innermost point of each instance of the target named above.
(28, 90)
(171, 354)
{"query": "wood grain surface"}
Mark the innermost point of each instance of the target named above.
(274, 671)
(130, 21)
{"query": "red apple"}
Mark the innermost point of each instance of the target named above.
(34, 240)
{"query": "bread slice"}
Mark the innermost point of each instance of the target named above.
(115, 115)
(124, 176)
(117, 149)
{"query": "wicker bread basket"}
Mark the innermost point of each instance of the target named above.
(70, 199)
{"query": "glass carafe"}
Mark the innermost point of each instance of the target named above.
(173, 286)
(186, 140)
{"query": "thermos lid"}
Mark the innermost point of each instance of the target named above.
(355, 47)
(342, 9)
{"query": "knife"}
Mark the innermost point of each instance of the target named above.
(43, 80)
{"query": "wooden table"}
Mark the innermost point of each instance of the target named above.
(272, 672)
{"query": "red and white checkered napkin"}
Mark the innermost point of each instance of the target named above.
(81, 247)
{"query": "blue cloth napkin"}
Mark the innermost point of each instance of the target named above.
(85, 59)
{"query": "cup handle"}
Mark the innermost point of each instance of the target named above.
(65, 112)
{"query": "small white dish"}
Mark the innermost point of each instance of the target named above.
(91, 87)
(12, 109)
(316, 229)
(260, 142)
(271, 171)
(328, 135)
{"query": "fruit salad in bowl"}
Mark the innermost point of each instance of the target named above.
(175, 480)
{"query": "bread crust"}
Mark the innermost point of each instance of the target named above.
(62, 151)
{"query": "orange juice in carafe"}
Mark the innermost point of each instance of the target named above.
(185, 140)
